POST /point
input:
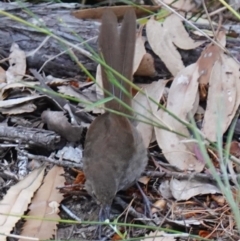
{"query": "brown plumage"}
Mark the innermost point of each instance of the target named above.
(114, 155)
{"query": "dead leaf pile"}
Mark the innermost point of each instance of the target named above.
(44, 204)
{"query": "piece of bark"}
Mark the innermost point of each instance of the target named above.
(49, 140)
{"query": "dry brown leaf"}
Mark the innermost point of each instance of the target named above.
(181, 99)
(2, 75)
(145, 108)
(17, 61)
(209, 56)
(96, 13)
(206, 234)
(223, 97)
(58, 122)
(116, 237)
(80, 178)
(146, 67)
(219, 199)
(159, 205)
(16, 200)
(144, 180)
(235, 149)
(163, 37)
(45, 205)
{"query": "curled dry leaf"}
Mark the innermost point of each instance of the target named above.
(162, 45)
(163, 37)
(186, 189)
(17, 86)
(181, 99)
(45, 205)
(58, 122)
(27, 107)
(14, 102)
(25, 104)
(146, 67)
(16, 201)
(17, 61)
(178, 34)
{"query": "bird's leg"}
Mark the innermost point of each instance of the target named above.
(147, 203)
(104, 214)
(98, 231)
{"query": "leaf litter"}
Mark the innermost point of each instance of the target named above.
(16, 201)
(163, 39)
(45, 204)
(178, 168)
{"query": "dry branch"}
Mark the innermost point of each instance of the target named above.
(30, 136)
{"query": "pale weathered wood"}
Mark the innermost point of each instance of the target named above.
(58, 19)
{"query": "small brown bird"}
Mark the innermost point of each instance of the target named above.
(114, 155)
